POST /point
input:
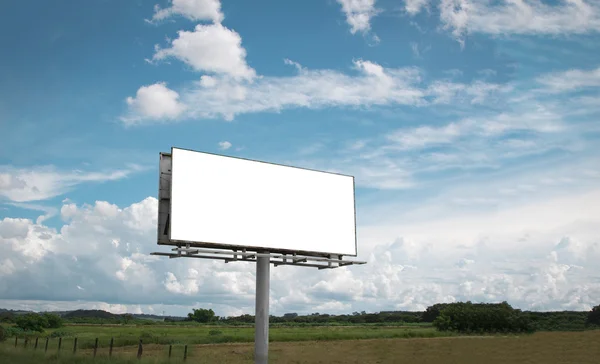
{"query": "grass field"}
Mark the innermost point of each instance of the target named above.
(544, 347)
(190, 335)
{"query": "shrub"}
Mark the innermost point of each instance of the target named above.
(31, 322)
(3, 335)
(593, 317)
(215, 332)
(482, 318)
(146, 335)
(54, 321)
(60, 333)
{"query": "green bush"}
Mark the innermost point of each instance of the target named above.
(593, 317)
(3, 335)
(38, 322)
(31, 322)
(60, 333)
(483, 318)
(146, 335)
(54, 321)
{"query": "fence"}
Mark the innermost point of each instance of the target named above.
(140, 349)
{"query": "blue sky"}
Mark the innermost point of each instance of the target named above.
(471, 128)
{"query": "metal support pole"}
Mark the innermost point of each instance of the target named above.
(261, 327)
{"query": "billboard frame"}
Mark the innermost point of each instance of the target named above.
(216, 245)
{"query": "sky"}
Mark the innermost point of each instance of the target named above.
(471, 127)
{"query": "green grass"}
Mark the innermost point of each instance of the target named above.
(545, 347)
(25, 356)
(179, 335)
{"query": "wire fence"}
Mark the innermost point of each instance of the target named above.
(45, 343)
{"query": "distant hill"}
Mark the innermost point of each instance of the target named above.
(91, 314)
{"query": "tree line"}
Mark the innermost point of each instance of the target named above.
(464, 317)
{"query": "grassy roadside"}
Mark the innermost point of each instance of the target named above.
(192, 335)
(545, 347)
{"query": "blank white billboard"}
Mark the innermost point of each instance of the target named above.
(231, 201)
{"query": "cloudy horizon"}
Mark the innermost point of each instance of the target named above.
(471, 129)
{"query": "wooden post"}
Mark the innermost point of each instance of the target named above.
(36, 343)
(26, 341)
(95, 347)
(75, 346)
(59, 343)
(111, 347)
(16, 340)
(139, 354)
(170, 348)
(185, 353)
(47, 339)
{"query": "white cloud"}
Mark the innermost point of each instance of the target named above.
(444, 92)
(570, 80)
(359, 14)
(40, 183)
(414, 6)
(224, 145)
(49, 211)
(526, 253)
(539, 120)
(373, 85)
(210, 48)
(154, 102)
(520, 17)
(191, 9)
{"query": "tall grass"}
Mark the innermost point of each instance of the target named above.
(126, 336)
(19, 355)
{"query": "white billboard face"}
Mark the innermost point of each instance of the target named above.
(236, 202)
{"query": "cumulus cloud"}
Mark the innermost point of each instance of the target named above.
(40, 183)
(209, 48)
(527, 251)
(154, 102)
(520, 17)
(370, 85)
(359, 14)
(196, 10)
(224, 145)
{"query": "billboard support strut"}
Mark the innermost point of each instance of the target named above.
(261, 331)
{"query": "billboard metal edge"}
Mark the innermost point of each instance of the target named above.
(200, 244)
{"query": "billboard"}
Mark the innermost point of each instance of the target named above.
(225, 202)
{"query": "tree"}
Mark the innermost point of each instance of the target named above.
(127, 318)
(593, 317)
(203, 315)
(7, 317)
(482, 317)
(432, 312)
(31, 322)
(54, 321)
(3, 334)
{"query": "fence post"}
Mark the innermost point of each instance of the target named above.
(26, 341)
(75, 346)
(185, 353)
(111, 346)
(95, 347)
(36, 343)
(59, 343)
(140, 349)
(47, 339)
(170, 347)
(16, 340)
